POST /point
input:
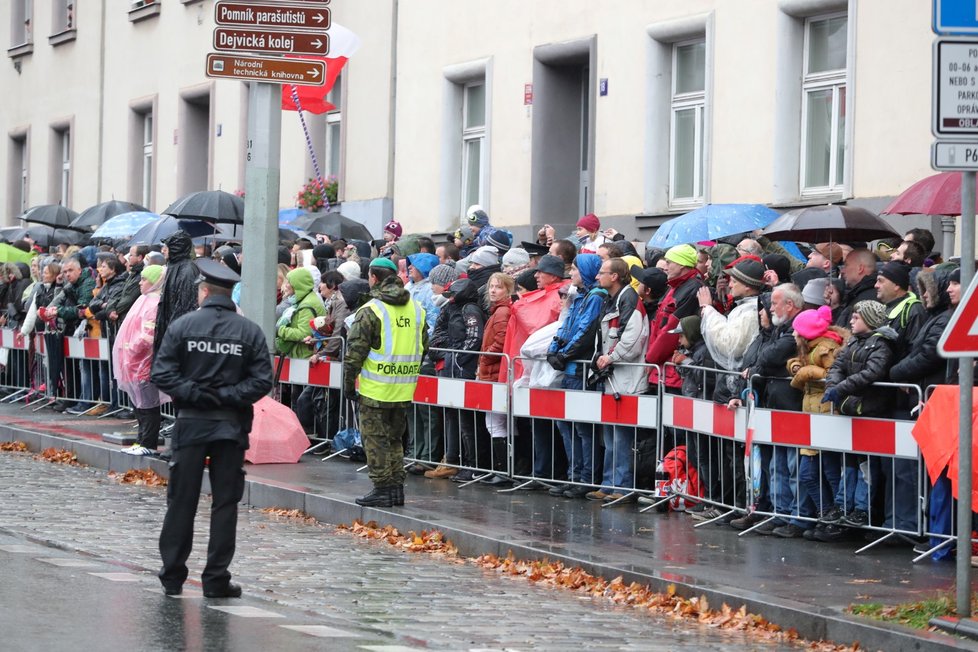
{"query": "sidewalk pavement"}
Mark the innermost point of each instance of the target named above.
(794, 583)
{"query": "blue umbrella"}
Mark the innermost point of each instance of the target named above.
(124, 225)
(711, 222)
(287, 215)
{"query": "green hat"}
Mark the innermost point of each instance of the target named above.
(684, 255)
(384, 263)
(152, 273)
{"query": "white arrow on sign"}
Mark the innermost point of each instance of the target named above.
(313, 73)
(317, 43)
(318, 18)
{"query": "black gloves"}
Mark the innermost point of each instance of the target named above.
(557, 360)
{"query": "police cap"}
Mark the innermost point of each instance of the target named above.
(215, 273)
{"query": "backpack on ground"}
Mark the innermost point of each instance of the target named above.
(677, 480)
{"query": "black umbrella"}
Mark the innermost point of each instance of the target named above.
(47, 236)
(156, 232)
(97, 215)
(333, 225)
(54, 215)
(235, 233)
(10, 233)
(831, 223)
(210, 205)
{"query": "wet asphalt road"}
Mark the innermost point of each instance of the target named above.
(79, 551)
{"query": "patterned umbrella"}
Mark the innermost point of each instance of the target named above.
(99, 213)
(124, 225)
(209, 205)
(711, 222)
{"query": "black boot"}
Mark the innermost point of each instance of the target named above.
(501, 477)
(379, 497)
(397, 495)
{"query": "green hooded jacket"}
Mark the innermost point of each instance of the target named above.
(289, 338)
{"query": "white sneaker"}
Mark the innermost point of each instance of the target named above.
(136, 449)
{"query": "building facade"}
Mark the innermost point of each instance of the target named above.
(541, 111)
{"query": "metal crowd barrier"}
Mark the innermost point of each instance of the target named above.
(628, 424)
(709, 431)
(313, 388)
(471, 413)
(15, 356)
(880, 446)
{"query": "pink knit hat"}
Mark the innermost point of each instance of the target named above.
(812, 324)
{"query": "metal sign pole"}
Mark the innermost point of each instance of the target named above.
(966, 382)
(262, 170)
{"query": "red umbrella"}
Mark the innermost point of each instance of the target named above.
(936, 432)
(276, 436)
(939, 194)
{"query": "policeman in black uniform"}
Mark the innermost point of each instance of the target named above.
(215, 364)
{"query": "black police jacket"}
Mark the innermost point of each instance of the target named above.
(214, 364)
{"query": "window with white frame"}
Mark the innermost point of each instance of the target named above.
(686, 141)
(62, 146)
(473, 143)
(823, 142)
(18, 168)
(334, 125)
(62, 15)
(21, 17)
(147, 159)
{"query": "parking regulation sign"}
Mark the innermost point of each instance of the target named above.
(955, 88)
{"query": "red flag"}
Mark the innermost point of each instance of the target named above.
(313, 98)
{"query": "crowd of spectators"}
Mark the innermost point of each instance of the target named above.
(713, 320)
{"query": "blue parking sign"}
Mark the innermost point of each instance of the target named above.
(958, 17)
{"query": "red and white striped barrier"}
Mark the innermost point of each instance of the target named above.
(326, 373)
(12, 339)
(704, 416)
(462, 394)
(586, 407)
(835, 432)
(89, 348)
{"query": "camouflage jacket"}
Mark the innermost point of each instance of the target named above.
(364, 334)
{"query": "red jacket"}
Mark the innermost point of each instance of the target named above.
(532, 312)
(493, 340)
(680, 301)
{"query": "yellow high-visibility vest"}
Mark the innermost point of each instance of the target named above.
(390, 373)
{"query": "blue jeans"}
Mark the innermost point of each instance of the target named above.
(846, 479)
(901, 493)
(619, 454)
(578, 441)
(815, 481)
(85, 367)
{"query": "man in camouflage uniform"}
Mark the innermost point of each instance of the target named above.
(386, 343)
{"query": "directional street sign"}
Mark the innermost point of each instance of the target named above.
(301, 72)
(955, 17)
(227, 39)
(955, 88)
(281, 15)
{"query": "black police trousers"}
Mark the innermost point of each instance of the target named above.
(183, 493)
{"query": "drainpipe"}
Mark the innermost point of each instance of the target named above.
(393, 108)
(101, 105)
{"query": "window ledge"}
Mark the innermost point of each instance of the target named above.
(190, 2)
(144, 12)
(814, 200)
(21, 50)
(63, 37)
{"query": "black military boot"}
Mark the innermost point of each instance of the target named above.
(397, 495)
(379, 497)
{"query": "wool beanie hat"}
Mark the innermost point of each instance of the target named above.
(324, 250)
(516, 258)
(485, 256)
(955, 275)
(589, 223)
(812, 324)
(443, 275)
(814, 291)
(501, 239)
(350, 270)
(423, 262)
(527, 279)
(684, 255)
(394, 228)
(152, 273)
(477, 215)
(689, 326)
(872, 312)
(897, 272)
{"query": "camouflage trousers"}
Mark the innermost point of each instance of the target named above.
(382, 432)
